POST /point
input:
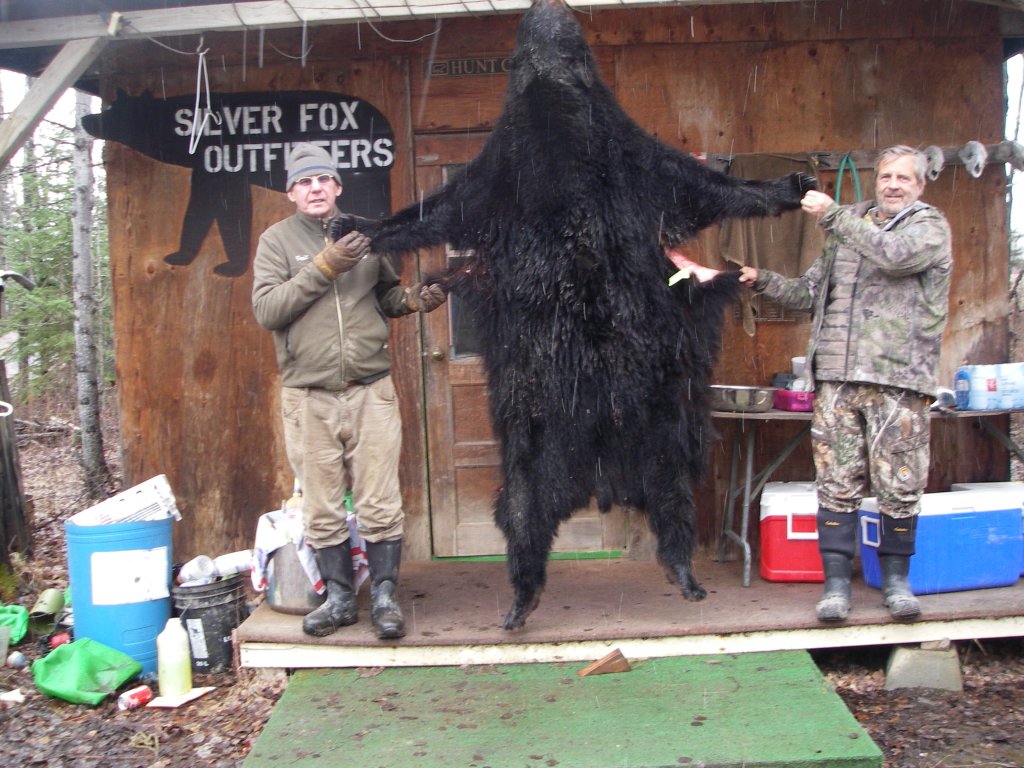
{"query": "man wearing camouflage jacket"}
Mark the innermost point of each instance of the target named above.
(879, 296)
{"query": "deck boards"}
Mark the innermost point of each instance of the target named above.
(454, 611)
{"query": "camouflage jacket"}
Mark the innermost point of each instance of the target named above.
(879, 297)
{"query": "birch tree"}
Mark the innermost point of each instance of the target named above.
(97, 474)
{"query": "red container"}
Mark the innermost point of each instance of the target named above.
(789, 533)
(791, 400)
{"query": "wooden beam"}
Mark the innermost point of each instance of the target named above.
(864, 159)
(269, 14)
(292, 656)
(64, 70)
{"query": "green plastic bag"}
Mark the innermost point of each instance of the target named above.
(15, 617)
(83, 672)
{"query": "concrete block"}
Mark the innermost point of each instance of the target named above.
(923, 668)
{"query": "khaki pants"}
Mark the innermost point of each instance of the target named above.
(870, 440)
(338, 440)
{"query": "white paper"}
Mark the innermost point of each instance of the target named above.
(197, 638)
(170, 702)
(129, 576)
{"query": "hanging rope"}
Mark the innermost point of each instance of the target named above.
(202, 84)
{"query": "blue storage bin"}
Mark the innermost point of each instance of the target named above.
(965, 540)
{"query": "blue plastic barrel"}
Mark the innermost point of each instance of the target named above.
(120, 578)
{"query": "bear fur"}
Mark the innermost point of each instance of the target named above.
(598, 370)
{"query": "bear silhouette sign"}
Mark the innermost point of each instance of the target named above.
(242, 139)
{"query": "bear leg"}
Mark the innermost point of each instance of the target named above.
(529, 533)
(672, 519)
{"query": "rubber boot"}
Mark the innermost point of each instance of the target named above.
(340, 609)
(837, 540)
(896, 543)
(896, 593)
(834, 604)
(386, 614)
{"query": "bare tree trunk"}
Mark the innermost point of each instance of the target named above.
(97, 474)
(15, 532)
(5, 175)
(30, 190)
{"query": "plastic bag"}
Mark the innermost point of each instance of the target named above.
(15, 617)
(84, 672)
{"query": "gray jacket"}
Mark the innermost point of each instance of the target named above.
(327, 334)
(879, 297)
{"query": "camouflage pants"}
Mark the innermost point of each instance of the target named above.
(870, 440)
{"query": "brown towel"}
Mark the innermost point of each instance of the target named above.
(787, 244)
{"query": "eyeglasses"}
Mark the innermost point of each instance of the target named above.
(307, 181)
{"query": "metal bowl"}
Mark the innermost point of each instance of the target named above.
(746, 399)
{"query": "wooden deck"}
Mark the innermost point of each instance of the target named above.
(454, 611)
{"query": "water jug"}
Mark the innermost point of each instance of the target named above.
(173, 660)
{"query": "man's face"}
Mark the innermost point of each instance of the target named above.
(315, 195)
(896, 185)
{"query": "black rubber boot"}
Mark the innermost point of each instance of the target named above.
(896, 593)
(834, 604)
(896, 544)
(339, 610)
(837, 541)
(386, 614)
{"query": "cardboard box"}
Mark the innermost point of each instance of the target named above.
(965, 540)
(1012, 487)
(789, 533)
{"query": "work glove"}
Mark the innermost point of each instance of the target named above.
(425, 298)
(339, 257)
(346, 222)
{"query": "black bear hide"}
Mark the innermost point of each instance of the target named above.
(597, 369)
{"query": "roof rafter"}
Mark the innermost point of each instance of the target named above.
(62, 72)
(269, 14)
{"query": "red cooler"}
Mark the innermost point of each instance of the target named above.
(789, 533)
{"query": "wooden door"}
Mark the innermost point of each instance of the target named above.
(464, 457)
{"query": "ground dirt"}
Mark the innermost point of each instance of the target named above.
(914, 728)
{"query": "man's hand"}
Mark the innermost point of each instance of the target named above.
(432, 297)
(816, 203)
(748, 276)
(339, 257)
(425, 298)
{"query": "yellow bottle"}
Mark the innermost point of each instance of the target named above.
(173, 660)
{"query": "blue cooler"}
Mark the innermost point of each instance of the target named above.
(965, 540)
(1012, 487)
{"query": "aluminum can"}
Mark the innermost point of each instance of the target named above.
(59, 638)
(135, 698)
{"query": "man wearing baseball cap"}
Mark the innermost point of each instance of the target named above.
(326, 304)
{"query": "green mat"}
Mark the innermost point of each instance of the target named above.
(757, 709)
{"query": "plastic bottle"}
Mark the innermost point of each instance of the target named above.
(232, 563)
(198, 570)
(962, 387)
(173, 660)
(293, 506)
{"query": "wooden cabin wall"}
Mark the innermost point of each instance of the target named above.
(197, 376)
